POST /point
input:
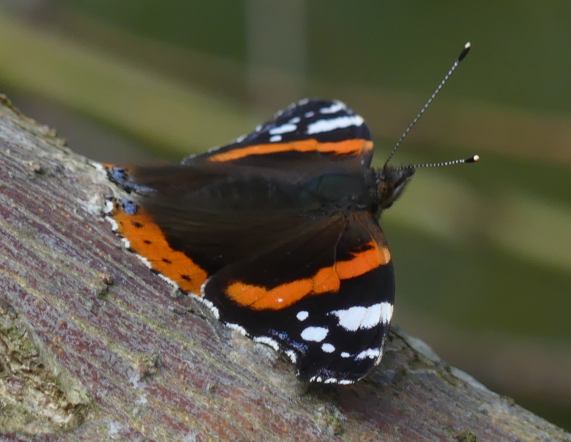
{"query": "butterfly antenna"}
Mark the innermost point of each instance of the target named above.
(472, 159)
(424, 108)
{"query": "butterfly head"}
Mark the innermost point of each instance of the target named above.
(391, 182)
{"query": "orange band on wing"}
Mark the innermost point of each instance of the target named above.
(325, 280)
(350, 147)
(147, 239)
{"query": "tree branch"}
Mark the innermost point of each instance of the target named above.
(94, 346)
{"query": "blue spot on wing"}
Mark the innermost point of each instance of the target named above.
(129, 207)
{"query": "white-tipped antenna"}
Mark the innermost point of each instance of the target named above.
(472, 159)
(423, 109)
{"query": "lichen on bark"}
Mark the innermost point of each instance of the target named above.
(34, 398)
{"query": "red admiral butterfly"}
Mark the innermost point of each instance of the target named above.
(278, 234)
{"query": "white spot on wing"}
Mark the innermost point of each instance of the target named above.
(344, 354)
(386, 312)
(372, 317)
(327, 348)
(275, 138)
(358, 317)
(331, 380)
(203, 289)
(350, 318)
(210, 151)
(291, 355)
(302, 315)
(335, 107)
(114, 225)
(168, 280)
(284, 128)
(380, 356)
(345, 382)
(237, 327)
(210, 306)
(316, 334)
(268, 341)
(372, 353)
(333, 124)
(109, 206)
(98, 166)
(146, 262)
(206, 302)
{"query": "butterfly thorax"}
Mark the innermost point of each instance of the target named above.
(340, 191)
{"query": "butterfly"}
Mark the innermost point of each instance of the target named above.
(278, 233)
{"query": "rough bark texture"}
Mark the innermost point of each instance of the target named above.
(94, 346)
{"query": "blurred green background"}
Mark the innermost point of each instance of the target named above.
(483, 253)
